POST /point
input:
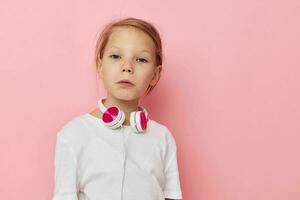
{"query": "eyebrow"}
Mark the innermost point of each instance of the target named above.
(143, 50)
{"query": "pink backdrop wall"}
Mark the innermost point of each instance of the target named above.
(229, 91)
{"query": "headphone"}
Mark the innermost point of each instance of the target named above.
(113, 117)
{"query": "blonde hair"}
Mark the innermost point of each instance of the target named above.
(139, 24)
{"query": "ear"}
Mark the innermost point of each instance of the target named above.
(99, 68)
(156, 76)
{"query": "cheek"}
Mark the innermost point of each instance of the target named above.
(109, 71)
(108, 77)
(149, 75)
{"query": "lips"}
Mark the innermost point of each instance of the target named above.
(125, 81)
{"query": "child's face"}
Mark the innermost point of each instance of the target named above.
(129, 54)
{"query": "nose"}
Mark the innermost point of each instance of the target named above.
(124, 70)
(127, 67)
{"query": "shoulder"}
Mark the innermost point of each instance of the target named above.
(166, 139)
(72, 131)
(163, 130)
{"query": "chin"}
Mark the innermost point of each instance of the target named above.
(126, 96)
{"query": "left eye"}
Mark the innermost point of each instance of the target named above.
(143, 60)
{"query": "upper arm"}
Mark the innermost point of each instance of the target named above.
(172, 189)
(64, 171)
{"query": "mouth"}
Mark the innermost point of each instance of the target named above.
(125, 82)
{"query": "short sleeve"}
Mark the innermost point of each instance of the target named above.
(65, 171)
(172, 187)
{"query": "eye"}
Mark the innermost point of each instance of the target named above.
(143, 60)
(114, 56)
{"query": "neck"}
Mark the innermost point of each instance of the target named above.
(127, 106)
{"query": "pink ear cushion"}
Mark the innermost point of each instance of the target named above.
(143, 120)
(110, 114)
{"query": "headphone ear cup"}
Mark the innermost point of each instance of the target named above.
(113, 117)
(110, 114)
(138, 121)
(143, 120)
(146, 113)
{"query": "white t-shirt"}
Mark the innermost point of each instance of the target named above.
(90, 159)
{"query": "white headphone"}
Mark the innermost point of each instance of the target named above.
(113, 117)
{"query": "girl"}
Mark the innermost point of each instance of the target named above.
(116, 152)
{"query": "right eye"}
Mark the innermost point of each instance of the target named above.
(114, 56)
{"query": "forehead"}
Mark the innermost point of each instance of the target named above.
(130, 38)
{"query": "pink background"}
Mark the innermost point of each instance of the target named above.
(229, 91)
